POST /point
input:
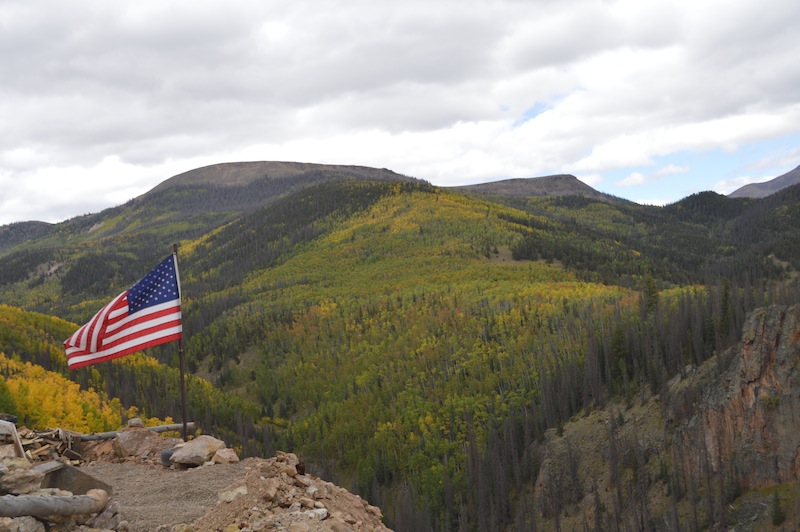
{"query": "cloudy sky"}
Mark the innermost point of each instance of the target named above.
(644, 99)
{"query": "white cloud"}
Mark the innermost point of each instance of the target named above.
(638, 178)
(592, 179)
(634, 179)
(671, 169)
(655, 202)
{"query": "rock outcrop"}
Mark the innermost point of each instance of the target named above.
(747, 419)
(699, 452)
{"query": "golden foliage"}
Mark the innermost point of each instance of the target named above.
(45, 399)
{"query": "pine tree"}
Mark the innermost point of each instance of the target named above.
(778, 515)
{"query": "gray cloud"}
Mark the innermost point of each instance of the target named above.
(441, 90)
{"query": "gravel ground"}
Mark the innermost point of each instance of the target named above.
(152, 495)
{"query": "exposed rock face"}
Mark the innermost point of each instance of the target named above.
(731, 424)
(748, 419)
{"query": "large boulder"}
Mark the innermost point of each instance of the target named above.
(135, 442)
(196, 452)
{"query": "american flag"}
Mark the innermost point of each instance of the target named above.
(147, 314)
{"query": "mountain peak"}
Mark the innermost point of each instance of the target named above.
(767, 188)
(237, 174)
(551, 185)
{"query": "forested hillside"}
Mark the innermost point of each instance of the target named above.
(413, 343)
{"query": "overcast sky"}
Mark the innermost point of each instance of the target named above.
(647, 100)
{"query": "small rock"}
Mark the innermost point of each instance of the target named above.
(299, 527)
(135, 422)
(306, 502)
(302, 481)
(230, 494)
(319, 513)
(225, 456)
(289, 458)
(108, 519)
(21, 524)
(258, 525)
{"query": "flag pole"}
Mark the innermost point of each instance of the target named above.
(184, 413)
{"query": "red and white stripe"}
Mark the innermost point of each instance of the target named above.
(113, 332)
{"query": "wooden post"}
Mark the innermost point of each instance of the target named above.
(184, 412)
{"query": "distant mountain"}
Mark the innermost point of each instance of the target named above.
(247, 173)
(548, 186)
(17, 233)
(762, 190)
(196, 201)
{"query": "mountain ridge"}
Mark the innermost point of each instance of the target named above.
(767, 188)
(281, 173)
(403, 336)
(284, 177)
(545, 186)
(246, 172)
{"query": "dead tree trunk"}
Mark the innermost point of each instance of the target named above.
(93, 502)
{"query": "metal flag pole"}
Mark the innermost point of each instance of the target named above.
(184, 413)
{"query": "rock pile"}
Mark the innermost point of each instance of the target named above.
(274, 495)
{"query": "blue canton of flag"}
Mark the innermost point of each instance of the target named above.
(158, 286)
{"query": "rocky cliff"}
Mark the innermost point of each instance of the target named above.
(748, 418)
(715, 449)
